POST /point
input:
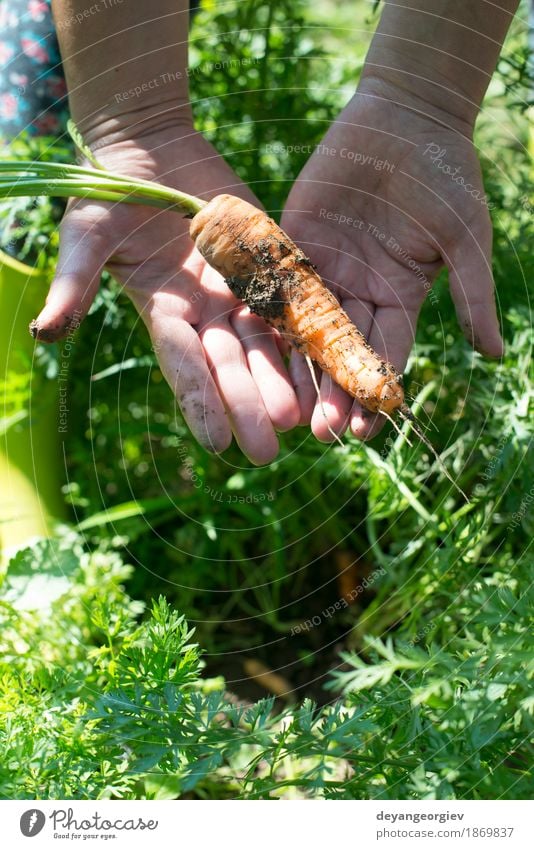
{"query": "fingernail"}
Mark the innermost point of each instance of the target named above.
(46, 331)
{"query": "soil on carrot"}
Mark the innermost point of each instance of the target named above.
(263, 295)
(271, 287)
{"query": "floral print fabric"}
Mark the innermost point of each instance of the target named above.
(32, 84)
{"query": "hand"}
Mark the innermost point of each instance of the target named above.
(222, 363)
(392, 195)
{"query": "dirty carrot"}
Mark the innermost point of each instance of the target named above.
(267, 271)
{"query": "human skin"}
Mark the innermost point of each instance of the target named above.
(415, 108)
(223, 364)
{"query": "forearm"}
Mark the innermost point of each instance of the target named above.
(441, 51)
(125, 64)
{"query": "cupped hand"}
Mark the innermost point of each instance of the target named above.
(393, 193)
(223, 364)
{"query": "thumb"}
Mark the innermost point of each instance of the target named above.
(82, 256)
(473, 290)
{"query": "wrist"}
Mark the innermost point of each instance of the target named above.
(125, 65)
(440, 52)
(157, 117)
(162, 154)
(400, 91)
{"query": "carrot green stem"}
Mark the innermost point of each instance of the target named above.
(31, 179)
(89, 193)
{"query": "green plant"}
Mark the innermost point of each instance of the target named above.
(95, 705)
(29, 226)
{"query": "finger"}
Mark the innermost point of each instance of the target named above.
(83, 252)
(184, 366)
(305, 391)
(250, 422)
(330, 416)
(473, 291)
(334, 406)
(392, 336)
(282, 344)
(267, 369)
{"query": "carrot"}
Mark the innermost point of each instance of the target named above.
(267, 271)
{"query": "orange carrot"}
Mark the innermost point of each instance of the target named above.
(267, 271)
